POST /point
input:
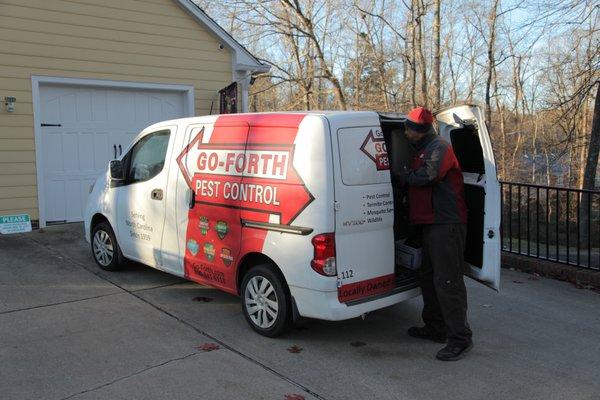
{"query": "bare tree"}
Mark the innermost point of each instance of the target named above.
(437, 54)
(533, 70)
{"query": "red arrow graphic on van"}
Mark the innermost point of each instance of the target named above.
(374, 148)
(182, 159)
(256, 177)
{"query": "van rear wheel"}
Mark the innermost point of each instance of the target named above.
(105, 249)
(266, 303)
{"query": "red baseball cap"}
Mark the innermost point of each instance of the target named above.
(419, 119)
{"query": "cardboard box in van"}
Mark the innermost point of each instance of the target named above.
(407, 256)
(294, 212)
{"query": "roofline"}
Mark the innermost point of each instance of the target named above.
(243, 59)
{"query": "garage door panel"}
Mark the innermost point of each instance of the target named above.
(121, 106)
(168, 109)
(142, 108)
(99, 108)
(70, 152)
(52, 148)
(94, 122)
(84, 106)
(50, 109)
(72, 199)
(67, 108)
(55, 200)
(86, 150)
(155, 107)
(102, 152)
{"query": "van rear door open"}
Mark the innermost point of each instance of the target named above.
(464, 128)
(364, 217)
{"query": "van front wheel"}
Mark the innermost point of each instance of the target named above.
(265, 302)
(105, 249)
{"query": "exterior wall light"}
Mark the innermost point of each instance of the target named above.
(10, 103)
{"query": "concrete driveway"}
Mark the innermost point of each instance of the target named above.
(70, 330)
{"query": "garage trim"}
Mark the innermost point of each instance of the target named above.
(36, 81)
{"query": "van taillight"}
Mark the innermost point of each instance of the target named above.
(324, 259)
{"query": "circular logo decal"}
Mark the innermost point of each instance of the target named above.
(203, 225)
(192, 246)
(209, 251)
(226, 256)
(222, 229)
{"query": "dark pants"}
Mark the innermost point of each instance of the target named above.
(442, 284)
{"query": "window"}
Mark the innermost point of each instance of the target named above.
(147, 157)
(467, 149)
(363, 156)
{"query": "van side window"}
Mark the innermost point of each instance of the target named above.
(467, 147)
(147, 157)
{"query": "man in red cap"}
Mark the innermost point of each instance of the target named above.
(437, 206)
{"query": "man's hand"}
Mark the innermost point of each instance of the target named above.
(402, 176)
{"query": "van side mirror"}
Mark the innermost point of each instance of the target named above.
(117, 172)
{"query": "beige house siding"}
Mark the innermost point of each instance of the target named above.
(124, 40)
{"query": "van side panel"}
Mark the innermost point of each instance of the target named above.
(364, 224)
(293, 253)
(285, 195)
(177, 219)
(173, 197)
(213, 234)
(244, 173)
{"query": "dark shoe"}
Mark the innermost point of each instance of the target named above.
(427, 333)
(454, 352)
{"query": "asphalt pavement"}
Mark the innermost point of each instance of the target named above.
(70, 330)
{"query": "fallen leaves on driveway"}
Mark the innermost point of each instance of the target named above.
(208, 347)
(294, 397)
(203, 299)
(294, 349)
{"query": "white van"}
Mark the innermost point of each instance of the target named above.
(294, 212)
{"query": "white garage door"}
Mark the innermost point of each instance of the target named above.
(83, 128)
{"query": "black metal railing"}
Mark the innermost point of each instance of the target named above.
(551, 223)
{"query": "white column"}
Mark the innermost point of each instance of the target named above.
(244, 86)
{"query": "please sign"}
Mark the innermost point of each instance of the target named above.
(15, 224)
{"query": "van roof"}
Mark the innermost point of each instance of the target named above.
(261, 116)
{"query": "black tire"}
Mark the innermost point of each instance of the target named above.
(105, 249)
(274, 326)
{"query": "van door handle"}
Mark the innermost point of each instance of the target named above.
(120, 150)
(115, 150)
(156, 194)
(191, 198)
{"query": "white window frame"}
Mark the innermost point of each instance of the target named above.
(37, 81)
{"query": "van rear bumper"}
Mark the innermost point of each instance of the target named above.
(326, 306)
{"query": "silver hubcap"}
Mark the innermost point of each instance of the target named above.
(103, 248)
(261, 302)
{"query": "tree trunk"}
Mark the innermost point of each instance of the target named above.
(413, 52)
(491, 62)
(307, 23)
(437, 54)
(421, 54)
(591, 164)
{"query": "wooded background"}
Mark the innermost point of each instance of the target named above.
(534, 66)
